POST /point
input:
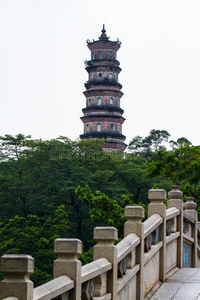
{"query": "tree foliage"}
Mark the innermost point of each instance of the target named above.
(153, 142)
(179, 164)
(33, 236)
(64, 188)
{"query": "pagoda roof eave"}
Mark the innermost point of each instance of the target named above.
(102, 89)
(103, 116)
(106, 40)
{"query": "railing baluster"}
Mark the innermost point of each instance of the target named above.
(190, 207)
(106, 237)
(68, 264)
(134, 216)
(17, 269)
(157, 197)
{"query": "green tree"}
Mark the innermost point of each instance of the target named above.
(37, 176)
(151, 143)
(180, 164)
(179, 143)
(35, 237)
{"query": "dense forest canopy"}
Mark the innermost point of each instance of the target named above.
(64, 188)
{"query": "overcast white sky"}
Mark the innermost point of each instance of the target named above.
(42, 75)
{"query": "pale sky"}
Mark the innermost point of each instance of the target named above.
(43, 49)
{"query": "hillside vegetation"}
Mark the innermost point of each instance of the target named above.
(62, 188)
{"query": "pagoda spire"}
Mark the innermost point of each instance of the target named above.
(103, 34)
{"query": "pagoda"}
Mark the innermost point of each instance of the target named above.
(103, 115)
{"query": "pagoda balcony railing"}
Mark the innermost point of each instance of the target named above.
(110, 66)
(103, 107)
(99, 117)
(103, 134)
(103, 81)
(91, 63)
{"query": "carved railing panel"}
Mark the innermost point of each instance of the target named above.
(88, 290)
(155, 236)
(122, 266)
(148, 243)
(168, 227)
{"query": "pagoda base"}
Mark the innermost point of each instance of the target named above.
(114, 146)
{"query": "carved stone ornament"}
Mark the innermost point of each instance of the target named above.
(122, 266)
(88, 290)
(155, 236)
(147, 243)
(168, 227)
(184, 227)
(189, 204)
(175, 193)
(119, 42)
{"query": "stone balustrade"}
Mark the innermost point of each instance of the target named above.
(131, 269)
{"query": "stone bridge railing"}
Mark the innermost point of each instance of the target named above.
(131, 269)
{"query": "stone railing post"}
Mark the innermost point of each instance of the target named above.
(134, 216)
(175, 196)
(68, 264)
(157, 197)
(17, 269)
(105, 248)
(190, 207)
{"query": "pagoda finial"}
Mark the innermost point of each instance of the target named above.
(103, 35)
(103, 30)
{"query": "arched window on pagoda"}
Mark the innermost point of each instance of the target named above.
(109, 54)
(99, 101)
(110, 76)
(98, 127)
(93, 55)
(112, 127)
(111, 101)
(100, 76)
(91, 76)
(120, 128)
(100, 54)
(89, 102)
(88, 128)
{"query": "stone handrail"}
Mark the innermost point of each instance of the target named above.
(53, 288)
(95, 269)
(150, 254)
(151, 224)
(189, 239)
(188, 218)
(172, 213)
(168, 239)
(127, 245)
(11, 298)
(172, 237)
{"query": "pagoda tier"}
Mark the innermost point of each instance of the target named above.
(103, 115)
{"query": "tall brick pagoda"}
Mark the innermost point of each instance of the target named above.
(103, 115)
